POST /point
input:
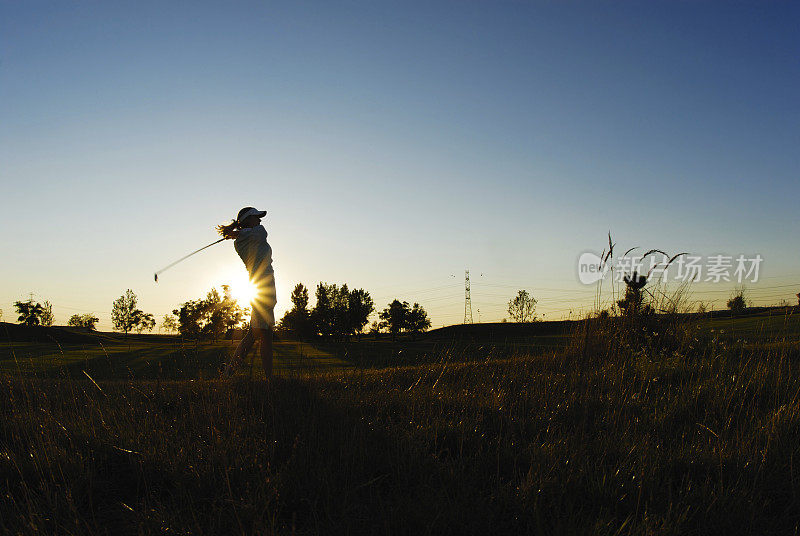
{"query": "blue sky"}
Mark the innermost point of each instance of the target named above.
(394, 144)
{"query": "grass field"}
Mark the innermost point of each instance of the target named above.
(479, 436)
(143, 357)
(111, 355)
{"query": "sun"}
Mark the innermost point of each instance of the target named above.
(242, 290)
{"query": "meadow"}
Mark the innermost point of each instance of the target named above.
(592, 427)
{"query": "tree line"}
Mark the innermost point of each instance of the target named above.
(207, 318)
(340, 313)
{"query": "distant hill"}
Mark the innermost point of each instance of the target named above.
(766, 310)
(64, 334)
(498, 331)
(21, 333)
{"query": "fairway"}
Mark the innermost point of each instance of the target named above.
(148, 357)
(765, 326)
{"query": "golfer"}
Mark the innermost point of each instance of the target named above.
(250, 242)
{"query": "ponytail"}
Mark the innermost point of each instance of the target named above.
(229, 231)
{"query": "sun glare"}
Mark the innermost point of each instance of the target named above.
(242, 289)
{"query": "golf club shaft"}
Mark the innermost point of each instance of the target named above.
(189, 255)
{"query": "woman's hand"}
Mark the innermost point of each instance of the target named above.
(228, 231)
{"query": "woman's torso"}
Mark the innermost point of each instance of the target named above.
(255, 252)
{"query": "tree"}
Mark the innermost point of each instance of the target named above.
(339, 312)
(47, 318)
(169, 323)
(1, 311)
(189, 316)
(210, 317)
(798, 304)
(375, 328)
(124, 314)
(300, 297)
(738, 301)
(322, 315)
(340, 302)
(221, 313)
(214, 314)
(521, 308)
(360, 306)
(90, 321)
(30, 312)
(232, 312)
(417, 320)
(126, 317)
(87, 320)
(331, 314)
(395, 316)
(633, 302)
(737, 304)
(144, 322)
(297, 320)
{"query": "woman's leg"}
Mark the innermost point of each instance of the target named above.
(265, 338)
(244, 345)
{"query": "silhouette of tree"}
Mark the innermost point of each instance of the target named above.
(322, 315)
(222, 313)
(521, 308)
(87, 320)
(300, 297)
(738, 301)
(189, 316)
(144, 322)
(211, 317)
(169, 323)
(340, 300)
(360, 306)
(30, 312)
(633, 302)
(298, 319)
(215, 316)
(417, 320)
(124, 314)
(375, 328)
(47, 318)
(233, 312)
(395, 317)
(338, 313)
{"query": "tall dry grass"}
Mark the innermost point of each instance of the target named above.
(685, 434)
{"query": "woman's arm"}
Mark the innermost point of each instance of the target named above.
(228, 231)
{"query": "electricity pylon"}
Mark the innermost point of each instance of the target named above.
(467, 300)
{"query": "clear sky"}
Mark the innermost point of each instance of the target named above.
(394, 145)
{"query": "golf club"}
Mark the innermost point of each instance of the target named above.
(186, 257)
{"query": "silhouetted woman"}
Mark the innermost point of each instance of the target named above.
(250, 242)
